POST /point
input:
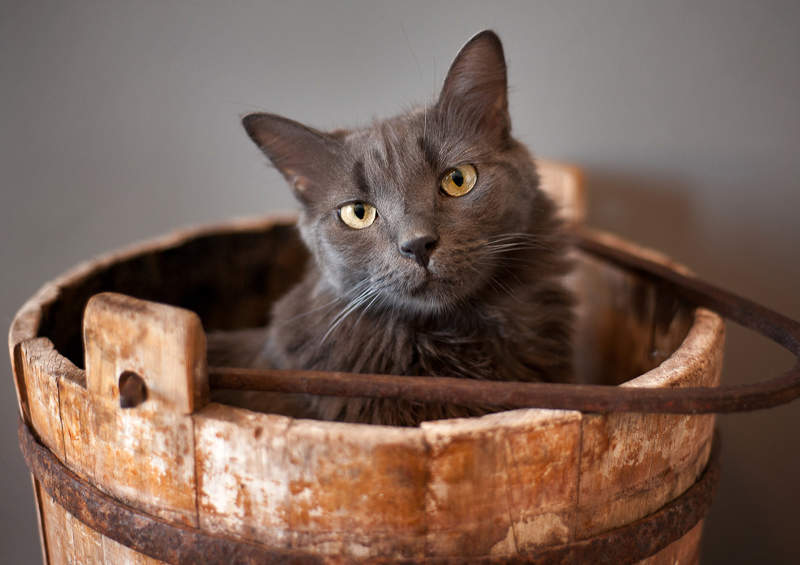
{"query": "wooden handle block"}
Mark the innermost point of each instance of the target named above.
(163, 345)
(138, 445)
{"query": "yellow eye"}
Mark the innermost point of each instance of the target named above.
(459, 180)
(358, 215)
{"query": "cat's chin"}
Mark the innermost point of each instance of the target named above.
(431, 296)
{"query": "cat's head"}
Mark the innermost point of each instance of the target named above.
(418, 210)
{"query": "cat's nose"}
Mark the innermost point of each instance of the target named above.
(419, 248)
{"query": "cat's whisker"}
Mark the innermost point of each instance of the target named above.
(506, 289)
(511, 245)
(366, 295)
(517, 243)
(356, 288)
(513, 253)
(517, 234)
(512, 238)
(340, 318)
(493, 284)
(351, 304)
(507, 247)
(376, 297)
(325, 306)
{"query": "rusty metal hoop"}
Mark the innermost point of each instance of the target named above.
(587, 398)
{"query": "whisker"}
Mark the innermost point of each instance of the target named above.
(372, 301)
(327, 305)
(354, 300)
(356, 288)
(349, 309)
(374, 288)
(511, 246)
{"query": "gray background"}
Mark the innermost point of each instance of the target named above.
(119, 121)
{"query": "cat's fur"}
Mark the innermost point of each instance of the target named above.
(489, 304)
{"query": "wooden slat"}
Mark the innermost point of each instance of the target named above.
(86, 544)
(42, 368)
(114, 552)
(338, 489)
(24, 328)
(542, 454)
(57, 540)
(357, 490)
(632, 464)
(70, 542)
(502, 483)
(143, 455)
(564, 184)
(685, 551)
(242, 473)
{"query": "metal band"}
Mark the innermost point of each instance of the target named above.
(177, 544)
(586, 398)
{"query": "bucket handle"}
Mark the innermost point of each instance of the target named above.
(586, 398)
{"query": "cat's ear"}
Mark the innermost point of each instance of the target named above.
(303, 155)
(476, 89)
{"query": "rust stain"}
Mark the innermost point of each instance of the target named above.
(382, 488)
(296, 487)
(468, 512)
(244, 501)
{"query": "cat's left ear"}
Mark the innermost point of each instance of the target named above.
(305, 157)
(476, 88)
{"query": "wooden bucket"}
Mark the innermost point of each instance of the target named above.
(176, 478)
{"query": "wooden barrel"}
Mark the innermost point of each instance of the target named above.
(502, 487)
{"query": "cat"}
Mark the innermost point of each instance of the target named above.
(434, 251)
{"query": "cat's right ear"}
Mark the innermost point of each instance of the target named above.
(304, 156)
(476, 87)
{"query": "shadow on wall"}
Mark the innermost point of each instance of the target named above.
(637, 205)
(744, 250)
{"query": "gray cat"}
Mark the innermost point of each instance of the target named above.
(434, 250)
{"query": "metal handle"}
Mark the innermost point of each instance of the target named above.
(586, 398)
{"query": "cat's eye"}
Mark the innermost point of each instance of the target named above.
(459, 180)
(358, 215)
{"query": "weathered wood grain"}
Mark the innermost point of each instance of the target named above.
(163, 344)
(117, 553)
(684, 551)
(58, 542)
(70, 542)
(542, 453)
(631, 464)
(142, 455)
(357, 489)
(502, 483)
(242, 481)
(86, 545)
(41, 367)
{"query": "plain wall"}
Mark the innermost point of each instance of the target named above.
(120, 121)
